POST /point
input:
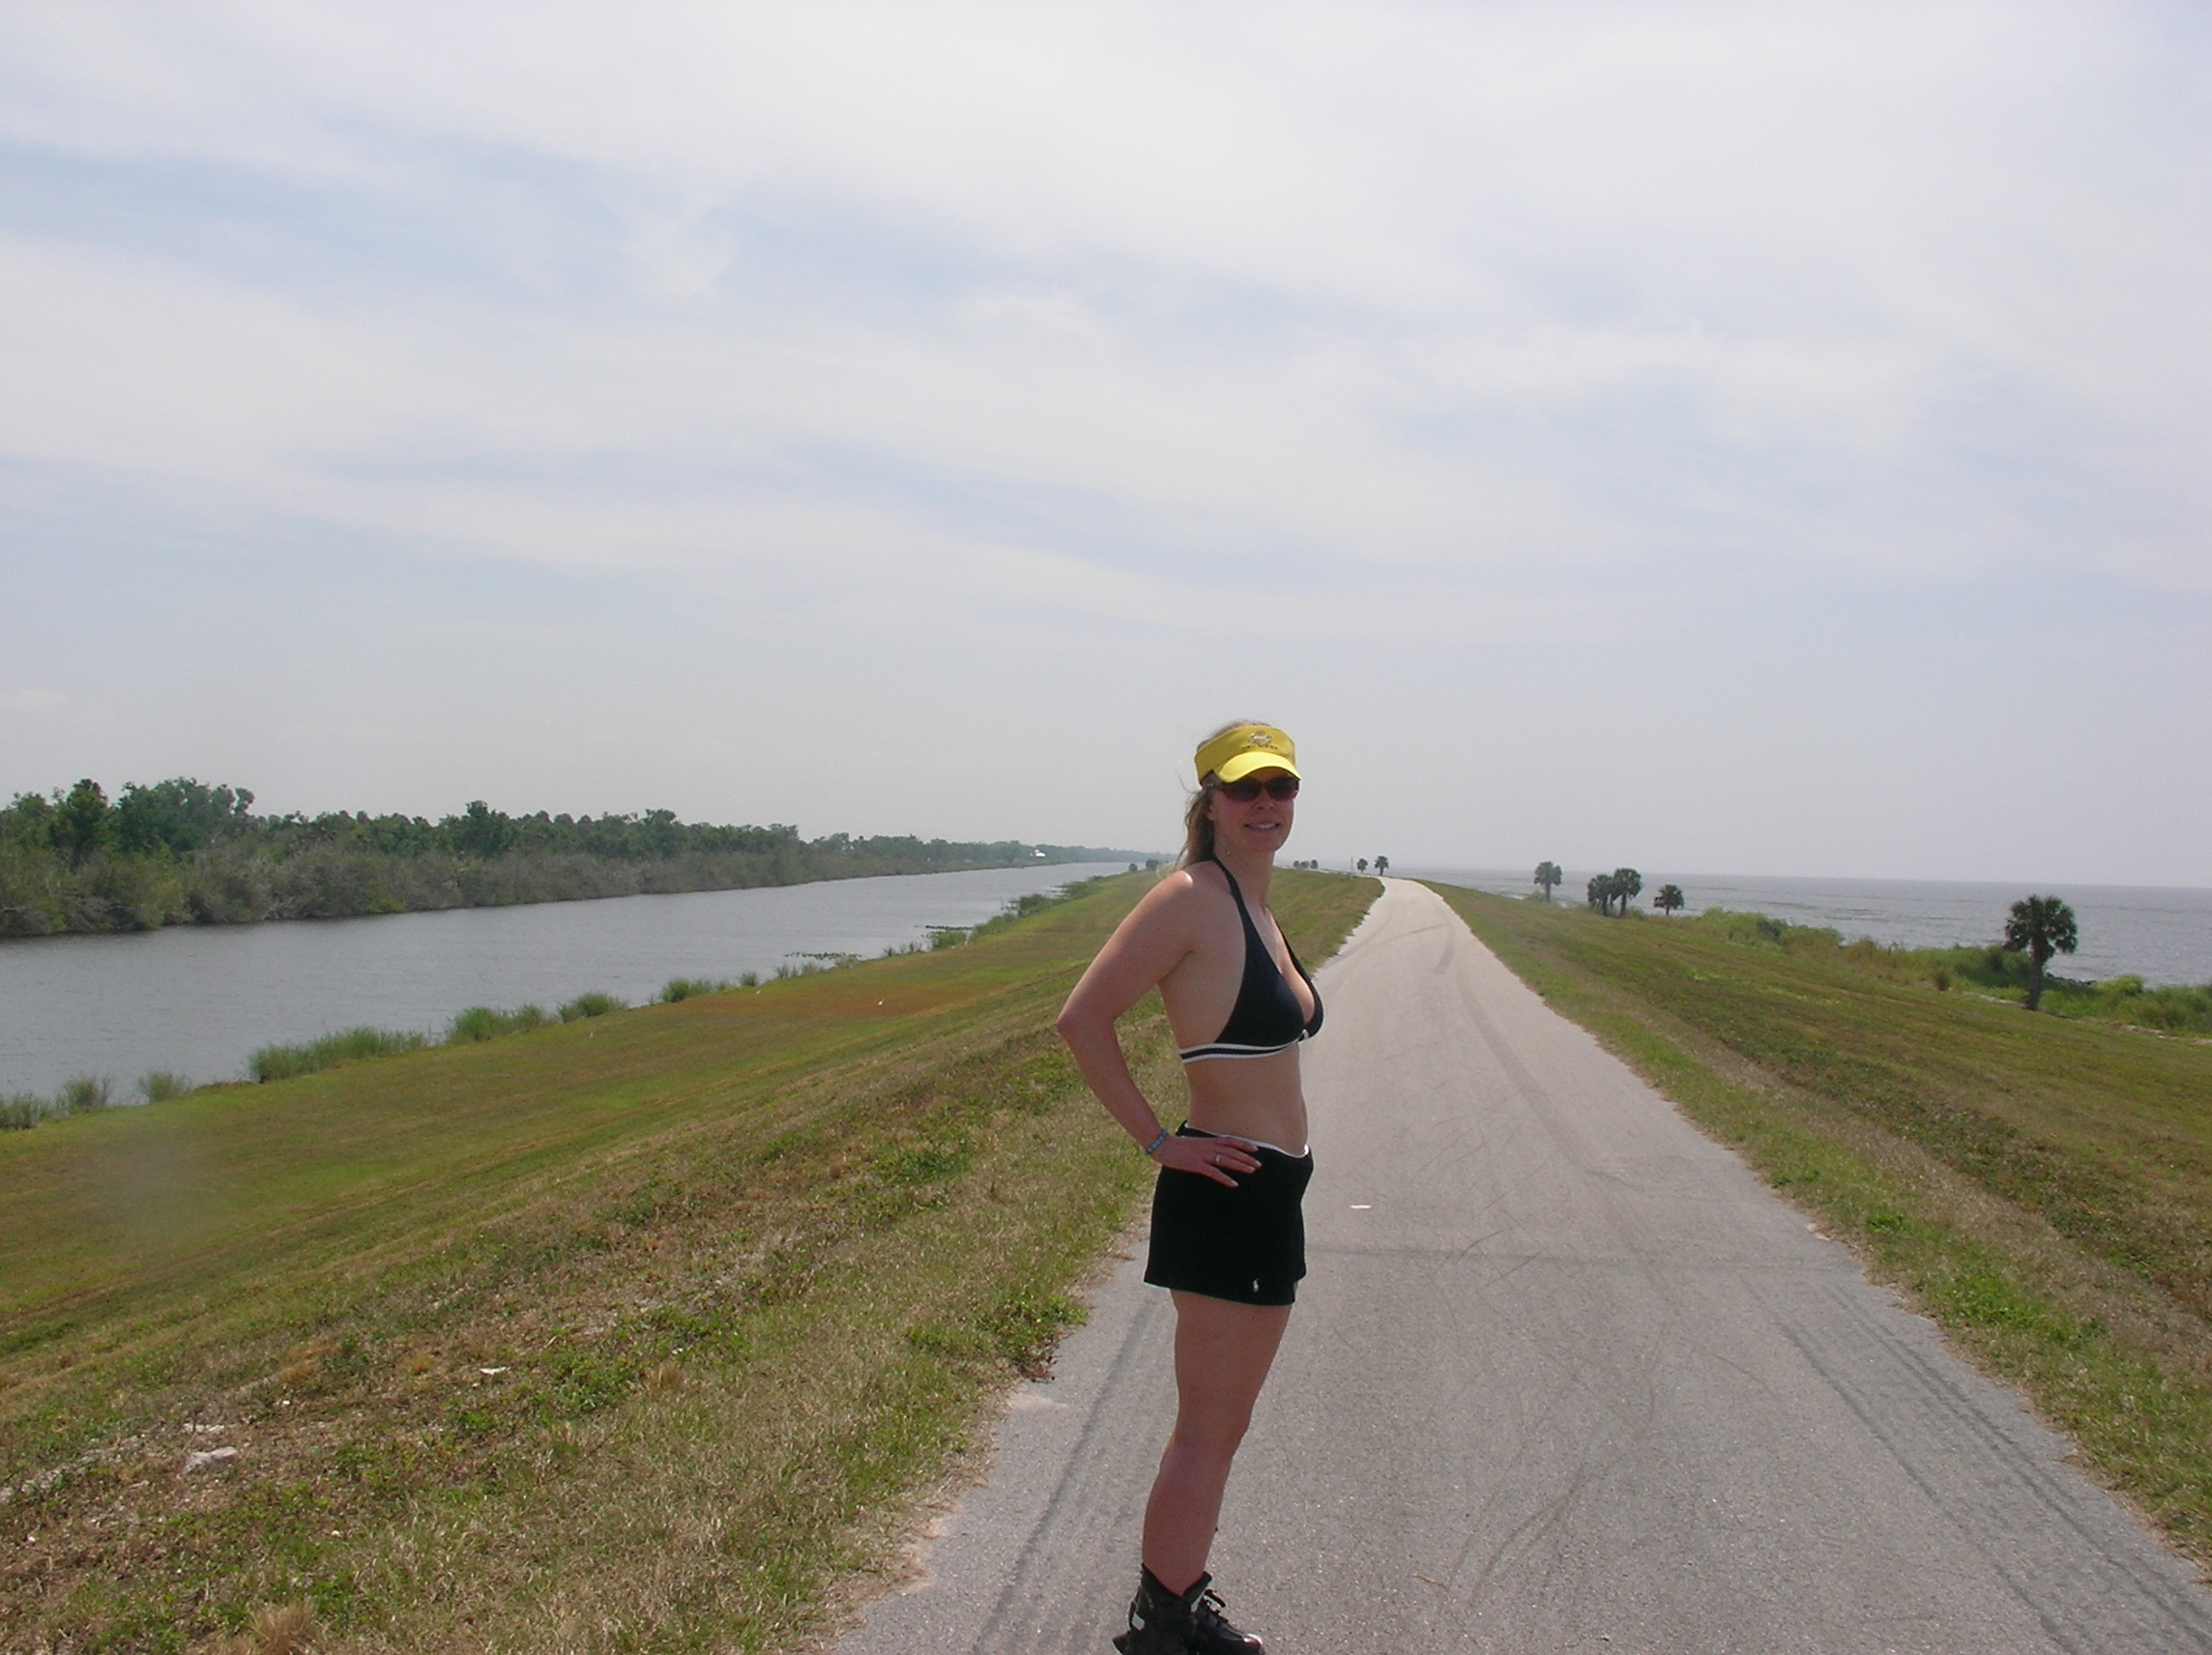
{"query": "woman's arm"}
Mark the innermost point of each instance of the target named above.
(1158, 935)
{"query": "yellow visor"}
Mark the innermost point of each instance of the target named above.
(1237, 753)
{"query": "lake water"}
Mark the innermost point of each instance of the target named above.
(2163, 935)
(199, 1000)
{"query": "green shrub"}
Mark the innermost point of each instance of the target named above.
(593, 1005)
(690, 988)
(807, 965)
(482, 1023)
(2175, 1009)
(21, 1111)
(1034, 902)
(1740, 927)
(161, 1085)
(477, 1023)
(282, 1062)
(86, 1093)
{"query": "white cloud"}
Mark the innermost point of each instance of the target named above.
(1208, 277)
(1459, 325)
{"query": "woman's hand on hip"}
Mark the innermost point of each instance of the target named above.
(1212, 1158)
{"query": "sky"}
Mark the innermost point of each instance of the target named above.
(1756, 439)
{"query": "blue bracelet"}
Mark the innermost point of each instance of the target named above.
(1152, 1148)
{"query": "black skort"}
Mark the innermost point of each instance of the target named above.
(1246, 1244)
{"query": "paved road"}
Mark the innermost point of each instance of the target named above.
(1565, 1378)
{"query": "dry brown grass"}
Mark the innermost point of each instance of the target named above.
(275, 1629)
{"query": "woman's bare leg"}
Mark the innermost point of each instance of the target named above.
(1222, 1354)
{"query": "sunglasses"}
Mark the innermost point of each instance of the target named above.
(1251, 787)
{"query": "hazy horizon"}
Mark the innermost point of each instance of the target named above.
(1718, 436)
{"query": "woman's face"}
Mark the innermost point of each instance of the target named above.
(1262, 824)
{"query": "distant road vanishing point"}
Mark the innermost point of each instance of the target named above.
(1565, 1376)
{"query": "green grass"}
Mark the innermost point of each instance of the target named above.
(638, 1331)
(1990, 970)
(2040, 1185)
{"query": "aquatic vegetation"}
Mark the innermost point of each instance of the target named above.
(350, 1046)
(592, 1005)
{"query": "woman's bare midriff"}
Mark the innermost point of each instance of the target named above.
(1258, 1098)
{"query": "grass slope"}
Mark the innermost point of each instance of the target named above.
(635, 1333)
(2042, 1187)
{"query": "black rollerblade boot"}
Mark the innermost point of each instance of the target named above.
(1162, 1622)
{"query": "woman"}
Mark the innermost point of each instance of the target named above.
(1228, 1237)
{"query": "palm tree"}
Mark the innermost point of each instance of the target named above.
(1362, 864)
(1548, 875)
(1602, 891)
(1382, 865)
(2039, 926)
(1626, 883)
(1669, 899)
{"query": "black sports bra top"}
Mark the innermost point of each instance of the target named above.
(1266, 1018)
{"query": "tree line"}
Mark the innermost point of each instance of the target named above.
(180, 852)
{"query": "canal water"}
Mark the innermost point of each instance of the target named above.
(199, 1000)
